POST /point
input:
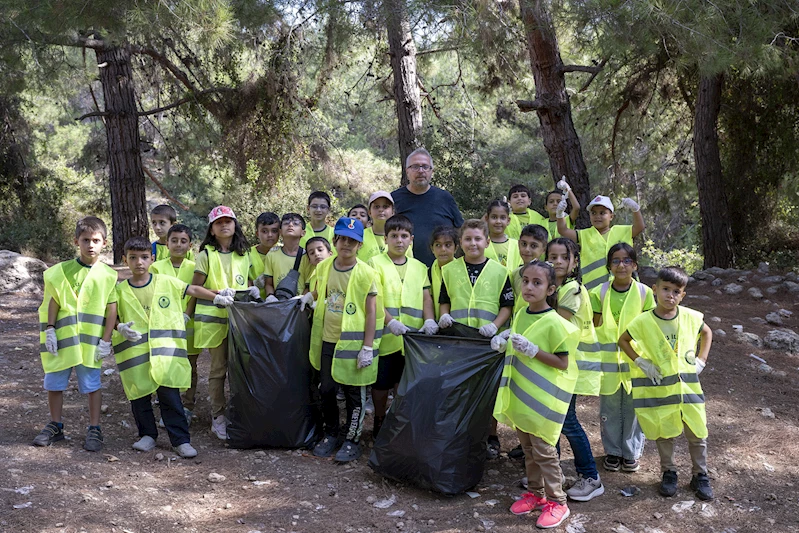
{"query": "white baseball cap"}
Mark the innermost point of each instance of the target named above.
(604, 201)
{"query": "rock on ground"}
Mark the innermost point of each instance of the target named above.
(21, 273)
(784, 340)
(749, 338)
(733, 288)
(755, 293)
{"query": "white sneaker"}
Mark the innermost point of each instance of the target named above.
(186, 450)
(219, 427)
(144, 444)
(369, 406)
(586, 489)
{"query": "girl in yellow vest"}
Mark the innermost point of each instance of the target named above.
(551, 207)
(574, 305)
(150, 346)
(444, 243)
(615, 304)
(532, 245)
(596, 240)
(501, 248)
(223, 263)
(536, 390)
(667, 394)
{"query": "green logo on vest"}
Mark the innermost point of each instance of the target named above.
(350, 308)
(239, 279)
(163, 301)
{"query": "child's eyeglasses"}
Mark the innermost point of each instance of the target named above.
(627, 262)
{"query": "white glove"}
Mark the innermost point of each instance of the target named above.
(445, 321)
(563, 186)
(255, 292)
(260, 281)
(560, 211)
(489, 330)
(51, 341)
(186, 319)
(307, 301)
(223, 300)
(499, 344)
(397, 328)
(430, 327)
(365, 357)
(650, 369)
(128, 332)
(271, 299)
(103, 350)
(630, 204)
(700, 366)
(228, 292)
(523, 346)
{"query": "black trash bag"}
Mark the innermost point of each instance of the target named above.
(270, 376)
(434, 436)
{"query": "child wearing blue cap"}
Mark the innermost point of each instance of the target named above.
(343, 342)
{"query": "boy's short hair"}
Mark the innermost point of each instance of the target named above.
(536, 231)
(137, 244)
(165, 211)
(519, 188)
(179, 228)
(474, 223)
(314, 240)
(266, 219)
(398, 223)
(92, 224)
(550, 193)
(444, 231)
(321, 195)
(673, 274)
(293, 216)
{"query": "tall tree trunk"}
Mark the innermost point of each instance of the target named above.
(716, 230)
(551, 103)
(128, 201)
(406, 90)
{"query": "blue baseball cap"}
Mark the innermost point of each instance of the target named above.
(349, 227)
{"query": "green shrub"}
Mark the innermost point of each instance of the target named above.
(689, 259)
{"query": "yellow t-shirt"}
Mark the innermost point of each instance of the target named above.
(144, 294)
(617, 300)
(502, 251)
(278, 264)
(335, 300)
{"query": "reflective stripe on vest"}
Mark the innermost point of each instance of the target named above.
(435, 287)
(478, 304)
(404, 300)
(588, 355)
(353, 324)
(80, 321)
(615, 365)
(534, 397)
(210, 321)
(594, 250)
(662, 409)
(185, 274)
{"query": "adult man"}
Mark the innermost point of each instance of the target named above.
(425, 205)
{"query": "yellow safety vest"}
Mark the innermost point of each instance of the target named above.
(404, 300)
(210, 321)
(552, 227)
(327, 233)
(162, 252)
(514, 259)
(534, 397)
(615, 366)
(514, 229)
(594, 252)
(662, 409)
(185, 274)
(370, 247)
(158, 359)
(588, 356)
(478, 304)
(80, 321)
(353, 324)
(435, 287)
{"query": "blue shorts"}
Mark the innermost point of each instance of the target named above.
(88, 379)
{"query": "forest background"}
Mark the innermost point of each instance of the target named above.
(689, 107)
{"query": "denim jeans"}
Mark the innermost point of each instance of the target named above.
(171, 411)
(581, 448)
(621, 434)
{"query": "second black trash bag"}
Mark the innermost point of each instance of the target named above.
(270, 376)
(434, 435)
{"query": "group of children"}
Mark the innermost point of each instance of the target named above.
(564, 306)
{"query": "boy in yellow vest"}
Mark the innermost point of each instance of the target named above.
(176, 265)
(596, 241)
(150, 346)
(267, 230)
(343, 340)
(408, 306)
(76, 319)
(551, 207)
(667, 395)
(278, 264)
(163, 217)
(519, 198)
(318, 209)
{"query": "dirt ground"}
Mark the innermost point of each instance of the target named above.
(753, 459)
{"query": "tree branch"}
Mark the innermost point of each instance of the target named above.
(189, 98)
(437, 50)
(93, 114)
(582, 68)
(594, 75)
(530, 105)
(163, 190)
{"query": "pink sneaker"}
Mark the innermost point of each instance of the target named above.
(529, 502)
(552, 515)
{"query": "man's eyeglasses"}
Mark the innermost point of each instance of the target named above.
(616, 262)
(424, 168)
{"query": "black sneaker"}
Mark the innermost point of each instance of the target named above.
(700, 484)
(492, 448)
(668, 486)
(50, 434)
(326, 446)
(612, 463)
(516, 453)
(378, 423)
(349, 451)
(94, 439)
